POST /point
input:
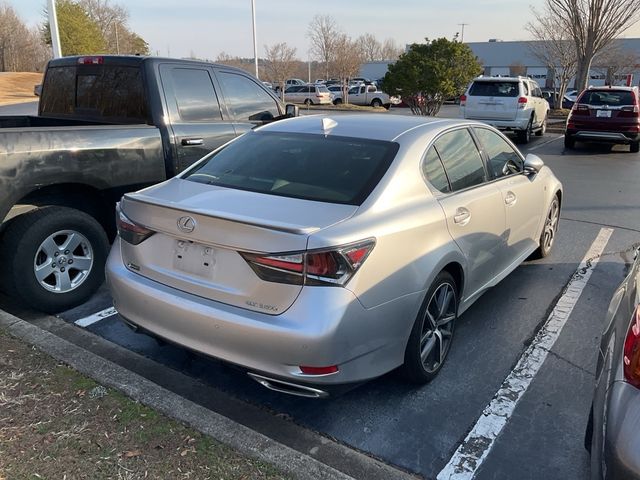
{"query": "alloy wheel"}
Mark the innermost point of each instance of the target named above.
(437, 327)
(551, 225)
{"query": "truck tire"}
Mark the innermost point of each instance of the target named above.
(53, 258)
(376, 102)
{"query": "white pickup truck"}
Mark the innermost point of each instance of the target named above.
(363, 95)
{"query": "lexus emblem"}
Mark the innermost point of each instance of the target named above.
(186, 224)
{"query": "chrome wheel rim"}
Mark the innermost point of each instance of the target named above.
(63, 261)
(551, 225)
(437, 327)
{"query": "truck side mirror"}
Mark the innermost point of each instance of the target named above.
(291, 110)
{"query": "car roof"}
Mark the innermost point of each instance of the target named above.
(499, 79)
(375, 126)
(613, 87)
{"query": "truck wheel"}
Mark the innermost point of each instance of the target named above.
(569, 142)
(337, 101)
(543, 128)
(376, 102)
(308, 102)
(53, 258)
(524, 136)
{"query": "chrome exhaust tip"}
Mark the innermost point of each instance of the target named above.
(282, 386)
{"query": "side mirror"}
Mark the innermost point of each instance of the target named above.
(532, 164)
(291, 110)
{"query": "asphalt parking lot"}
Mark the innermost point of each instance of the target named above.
(417, 430)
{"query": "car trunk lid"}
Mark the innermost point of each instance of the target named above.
(201, 231)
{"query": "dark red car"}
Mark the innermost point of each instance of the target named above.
(605, 114)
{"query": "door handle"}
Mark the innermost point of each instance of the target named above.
(510, 198)
(188, 142)
(462, 216)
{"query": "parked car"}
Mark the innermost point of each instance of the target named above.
(290, 82)
(106, 125)
(569, 98)
(288, 250)
(605, 114)
(363, 95)
(309, 94)
(511, 104)
(613, 432)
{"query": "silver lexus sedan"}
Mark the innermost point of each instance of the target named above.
(317, 251)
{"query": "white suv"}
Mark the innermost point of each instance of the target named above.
(512, 104)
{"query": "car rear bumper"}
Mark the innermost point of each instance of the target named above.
(325, 326)
(603, 136)
(502, 124)
(622, 433)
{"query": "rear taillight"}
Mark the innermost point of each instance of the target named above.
(130, 232)
(630, 111)
(580, 109)
(463, 100)
(319, 370)
(333, 266)
(522, 102)
(90, 60)
(631, 357)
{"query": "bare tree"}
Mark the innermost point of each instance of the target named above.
(245, 64)
(614, 63)
(347, 64)
(390, 50)
(323, 32)
(592, 25)
(21, 49)
(370, 48)
(280, 64)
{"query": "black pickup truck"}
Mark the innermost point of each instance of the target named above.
(106, 125)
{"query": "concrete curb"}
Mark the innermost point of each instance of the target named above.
(233, 434)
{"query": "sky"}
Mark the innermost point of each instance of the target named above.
(205, 28)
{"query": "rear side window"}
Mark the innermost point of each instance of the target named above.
(312, 167)
(110, 93)
(195, 96)
(246, 99)
(461, 159)
(434, 171)
(494, 89)
(502, 158)
(611, 98)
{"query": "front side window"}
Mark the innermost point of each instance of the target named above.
(502, 159)
(246, 99)
(312, 167)
(196, 99)
(461, 159)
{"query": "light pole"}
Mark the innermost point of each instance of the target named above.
(255, 40)
(53, 28)
(462, 36)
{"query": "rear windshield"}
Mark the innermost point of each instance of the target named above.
(312, 167)
(107, 92)
(494, 89)
(612, 98)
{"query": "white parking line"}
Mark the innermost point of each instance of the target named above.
(540, 145)
(472, 452)
(96, 317)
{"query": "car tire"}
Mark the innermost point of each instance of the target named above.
(37, 269)
(524, 136)
(337, 101)
(376, 103)
(430, 338)
(634, 147)
(549, 230)
(543, 128)
(307, 102)
(569, 141)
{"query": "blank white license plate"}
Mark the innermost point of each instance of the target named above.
(603, 113)
(194, 258)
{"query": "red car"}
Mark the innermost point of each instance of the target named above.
(605, 114)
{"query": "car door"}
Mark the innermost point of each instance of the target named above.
(197, 122)
(522, 195)
(540, 104)
(248, 102)
(473, 208)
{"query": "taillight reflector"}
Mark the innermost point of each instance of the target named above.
(318, 370)
(522, 100)
(463, 100)
(631, 357)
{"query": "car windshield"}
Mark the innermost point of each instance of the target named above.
(312, 167)
(494, 89)
(611, 98)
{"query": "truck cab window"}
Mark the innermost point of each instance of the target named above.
(246, 99)
(195, 96)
